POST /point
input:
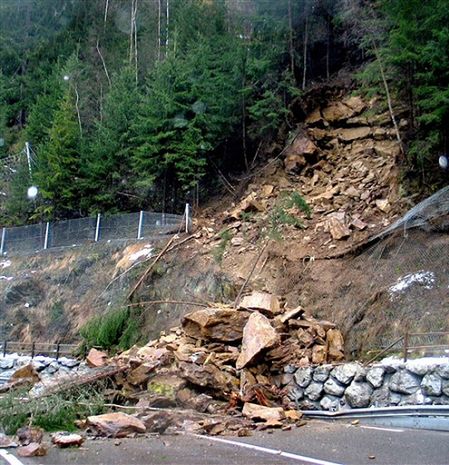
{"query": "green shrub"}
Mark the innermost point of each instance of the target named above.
(219, 251)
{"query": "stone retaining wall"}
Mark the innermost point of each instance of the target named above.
(327, 387)
(46, 366)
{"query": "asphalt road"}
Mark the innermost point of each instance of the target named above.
(316, 443)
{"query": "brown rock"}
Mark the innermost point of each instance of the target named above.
(6, 442)
(25, 373)
(383, 205)
(335, 343)
(96, 358)
(337, 111)
(355, 103)
(387, 149)
(318, 354)
(152, 354)
(157, 422)
(116, 425)
(141, 374)
(65, 439)
(294, 163)
(350, 134)
(33, 449)
(337, 229)
(258, 412)
(209, 376)
(302, 146)
(29, 434)
(258, 335)
(314, 117)
(291, 314)
(247, 205)
(262, 301)
(358, 224)
(218, 324)
(267, 190)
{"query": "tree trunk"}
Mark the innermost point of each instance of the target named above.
(290, 32)
(306, 38)
(387, 93)
(159, 6)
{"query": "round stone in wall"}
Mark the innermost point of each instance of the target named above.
(358, 395)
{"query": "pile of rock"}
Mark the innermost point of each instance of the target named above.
(343, 162)
(352, 385)
(231, 356)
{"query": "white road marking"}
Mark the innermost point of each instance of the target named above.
(382, 429)
(10, 458)
(299, 458)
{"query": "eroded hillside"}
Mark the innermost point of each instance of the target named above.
(334, 184)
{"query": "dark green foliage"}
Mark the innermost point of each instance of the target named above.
(219, 251)
(55, 412)
(117, 329)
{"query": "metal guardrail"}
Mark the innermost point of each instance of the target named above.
(33, 349)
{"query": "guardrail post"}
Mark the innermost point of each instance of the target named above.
(4, 347)
(47, 231)
(57, 350)
(33, 349)
(97, 228)
(187, 215)
(139, 229)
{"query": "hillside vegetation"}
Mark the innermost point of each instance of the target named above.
(132, 104)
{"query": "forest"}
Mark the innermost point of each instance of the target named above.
(144, 104)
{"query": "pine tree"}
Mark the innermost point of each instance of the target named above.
(58, 174)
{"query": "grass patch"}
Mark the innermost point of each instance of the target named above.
(219, 251)
(117, 329)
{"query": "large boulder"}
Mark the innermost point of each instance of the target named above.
(303, 377)
(259, 412)
(263, 301)
(405, 382)
(351, 134)
(431, 385)
(375, 376)
(314, 390)
(217, 324)
(116, 425)
(332, 387)
(258, 335)
(345, 373)
(358, 395)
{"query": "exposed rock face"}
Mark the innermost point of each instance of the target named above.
(358, 394)
(219, 324)
(27, 291)
(258, 335)
(116, 425)
(351, 134)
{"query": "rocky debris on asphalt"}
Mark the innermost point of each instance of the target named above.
(6, 442)
(115, 425)
(33, 449)
(65, 439)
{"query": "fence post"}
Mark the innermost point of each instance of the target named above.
(406, 336)
(5, 343)
(139, 230)
(2, 243)
(187, 215)
(97, 228)
(47, 231)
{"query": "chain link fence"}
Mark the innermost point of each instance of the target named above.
(24, 240)
(403, 283)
